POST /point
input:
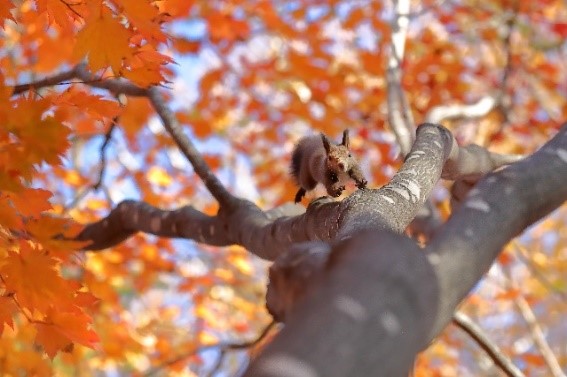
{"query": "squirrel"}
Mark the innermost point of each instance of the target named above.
(315, 159)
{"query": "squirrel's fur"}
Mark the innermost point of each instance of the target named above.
(316, 160)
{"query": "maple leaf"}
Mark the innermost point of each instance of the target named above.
(63, 14)
(145, 18)
(7, 310)
(104, 40)
(95, 105)
(32, 276)
(60, 330)
(31, 202)
(5, 8)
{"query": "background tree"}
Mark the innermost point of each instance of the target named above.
(100, 127)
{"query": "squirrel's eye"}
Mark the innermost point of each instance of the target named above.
(349, 155)
(333, 177)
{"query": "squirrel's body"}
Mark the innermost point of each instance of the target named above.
(316, 160)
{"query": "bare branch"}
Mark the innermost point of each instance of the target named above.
(513, 198)
(491, 349)
(475, 110)
(48, 81)
(115, 86)
(539, 337)
(215, 187)
(399, 114)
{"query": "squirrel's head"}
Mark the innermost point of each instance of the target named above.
(338, 156)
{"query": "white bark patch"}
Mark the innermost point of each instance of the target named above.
(508, 190)
(414, 189)
(388, 199)
(284, 366)
(351, 308)
(562, 153)
(155, 224)
(403, 193)
(478, 204)
(469, 232)
(390, 323)
(410, 172)
(491, 179)
(416, 154)
(437, 144)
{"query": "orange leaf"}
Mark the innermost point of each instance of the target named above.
(144, 16)
(32, 276)
(5, 7)
(533, 359)
(7, 310)
(32, 202)
(61, 329)
(186, 46)
(93, 40)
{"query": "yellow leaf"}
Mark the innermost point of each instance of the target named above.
(159, 176)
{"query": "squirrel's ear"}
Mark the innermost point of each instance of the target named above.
(346, 140)
(326, 143)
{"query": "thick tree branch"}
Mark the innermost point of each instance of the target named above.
(500, 207)
(130, 217)
(491, 349)
(390, 207)
(383, 299)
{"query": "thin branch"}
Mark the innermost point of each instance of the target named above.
(222, 346)
(102, 151)
(213, 184)
(116, 86)
(492, 350)
(535, 329)
(399, 113)
(48, 81)
(538, 337)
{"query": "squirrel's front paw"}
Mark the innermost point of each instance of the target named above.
(337, 191)
(362, 183)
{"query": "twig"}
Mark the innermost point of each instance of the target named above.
(539, 337)
(223, 346)
(535, 330)
(492, 350)
(116, 86)
(48, 81)
(102, 150)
